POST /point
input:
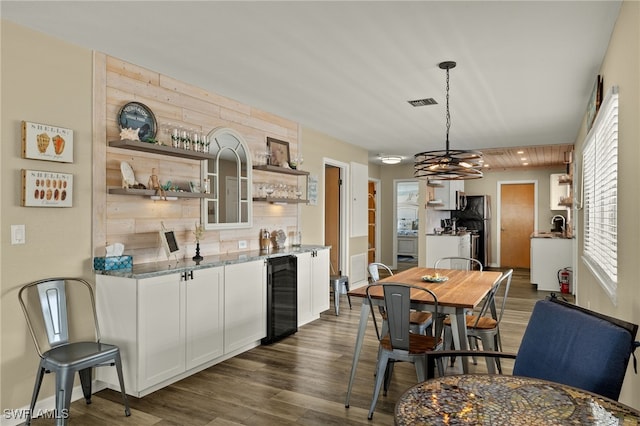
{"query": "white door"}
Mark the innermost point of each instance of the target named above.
(161, 338)
(305, 307)
(245, 304)
(204, 316)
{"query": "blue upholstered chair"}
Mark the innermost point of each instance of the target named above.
(572, 345)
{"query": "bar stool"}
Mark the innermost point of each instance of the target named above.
(340, 285)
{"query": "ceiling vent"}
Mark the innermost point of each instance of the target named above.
(423, 102)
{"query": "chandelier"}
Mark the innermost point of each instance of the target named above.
(448, 164)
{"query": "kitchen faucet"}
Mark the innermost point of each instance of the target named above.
(559, 216)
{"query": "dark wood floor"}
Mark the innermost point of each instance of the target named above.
(301, 380)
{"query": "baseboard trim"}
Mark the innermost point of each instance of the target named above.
(17, 416)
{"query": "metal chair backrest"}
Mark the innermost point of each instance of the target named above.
(374, 270)
(49, 312)
(458, 262)
(489, 301)
(397, 306)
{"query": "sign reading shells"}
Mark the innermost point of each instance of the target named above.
(46, 142)
(46, 189)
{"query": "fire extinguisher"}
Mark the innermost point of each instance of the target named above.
(564, 278)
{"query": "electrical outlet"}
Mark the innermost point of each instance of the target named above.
(242, 244)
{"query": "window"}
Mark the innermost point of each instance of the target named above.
(600, 195)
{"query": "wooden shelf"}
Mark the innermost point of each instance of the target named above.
(276, 169)
(160, 149)
(281, 200)
(151, 192)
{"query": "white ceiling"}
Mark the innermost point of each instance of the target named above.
(525, 70)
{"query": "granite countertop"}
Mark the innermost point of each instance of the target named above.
(543, 234)
(154, 269)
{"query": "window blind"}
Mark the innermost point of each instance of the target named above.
(600, 195)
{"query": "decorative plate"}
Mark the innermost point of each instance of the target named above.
(435, 278)
(135, 115)
(128, 178)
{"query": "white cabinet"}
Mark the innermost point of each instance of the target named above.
(557, 191)
(204, 316)
(359, 199)
(161, 334)
(447, 191)
(168, 326)
(313, 285)
(445, 246)
(548, 256)
(245, 302)
(320, 281)
(408, 245)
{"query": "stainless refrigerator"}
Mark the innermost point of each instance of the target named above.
(476, 217)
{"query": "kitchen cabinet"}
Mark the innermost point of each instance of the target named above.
(408, 245)
(245, 302)
(548, 256)
(446, 194)
(439, 246)
(313, 285)
(164, 325)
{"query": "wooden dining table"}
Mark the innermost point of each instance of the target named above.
(461, 291)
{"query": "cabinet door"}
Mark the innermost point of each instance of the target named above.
(161, 329)
(204, 316)
(447, 193)
(245, 293)
(320, 281)
(305, 305)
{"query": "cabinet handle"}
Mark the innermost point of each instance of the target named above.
(187, 275)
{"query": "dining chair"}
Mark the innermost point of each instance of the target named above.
(420, 321)
(485, 325)
(398, 343)
(572, 345)
(61, 337)
(458, 262)
(339, 284)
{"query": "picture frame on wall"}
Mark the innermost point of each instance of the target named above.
(47, 142)
(46, 189)
(278, 153)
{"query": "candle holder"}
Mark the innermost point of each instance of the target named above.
(197, 257)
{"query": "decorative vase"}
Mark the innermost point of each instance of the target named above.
(197, 257)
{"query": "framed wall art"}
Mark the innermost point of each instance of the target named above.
(46, 189)
(278, 152)
(47, 142)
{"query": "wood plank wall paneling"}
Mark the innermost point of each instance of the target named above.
(135, 221)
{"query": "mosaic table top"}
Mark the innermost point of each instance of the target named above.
(506, 400)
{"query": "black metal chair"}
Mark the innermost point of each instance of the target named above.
(45, 306)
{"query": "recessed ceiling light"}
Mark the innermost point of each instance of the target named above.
(523, 159)
(525, 164)
(520, 152)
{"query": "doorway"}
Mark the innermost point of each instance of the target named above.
(517, 208)
(332, 216)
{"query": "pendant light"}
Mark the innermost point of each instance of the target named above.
(448, 164)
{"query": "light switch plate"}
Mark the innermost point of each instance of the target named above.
(17, 234)
(242, 244)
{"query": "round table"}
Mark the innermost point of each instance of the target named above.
(483, 399)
